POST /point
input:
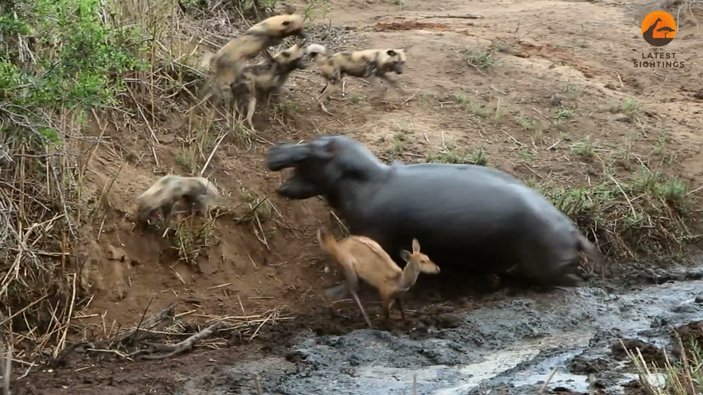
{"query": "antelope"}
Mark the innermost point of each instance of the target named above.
(362, 257)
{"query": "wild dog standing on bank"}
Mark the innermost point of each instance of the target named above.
(266, 78)
(198, 192)
(362, 64)
(228, 61)
(360, 256)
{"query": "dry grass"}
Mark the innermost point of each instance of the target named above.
(645, 215)
(682, 377)
(43, 214)
(167, 333)
(5, 367)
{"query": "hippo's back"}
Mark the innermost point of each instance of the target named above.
(462, 214)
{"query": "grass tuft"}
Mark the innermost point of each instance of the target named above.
(477, 156)
(644, 215)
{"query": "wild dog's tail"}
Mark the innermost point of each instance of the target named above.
(343, 258)
(313, 50)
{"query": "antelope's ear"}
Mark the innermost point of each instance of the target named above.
(416, 246)
(405, 255)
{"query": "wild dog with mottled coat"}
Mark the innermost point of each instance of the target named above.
(373, 63)
(266, 77)
(198, 192)
(228, 61)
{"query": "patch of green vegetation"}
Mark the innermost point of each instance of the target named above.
(630, 107)
(476, 156)
(356, 99)
(481, 58)
(191, 241)
(563, 114)
(469, 106)
(316, 9)
(400, 142)
(584, 149)
(526, 155)
(643, 215)
(259, 209)
(425, 98)
(498, 114)
(527, 123)
(285, 108)
(571, 91)
(185, 157)
(60, 60)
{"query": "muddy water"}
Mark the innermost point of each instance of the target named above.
(512, 345)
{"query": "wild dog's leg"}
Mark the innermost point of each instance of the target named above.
(143, 215)
(233, 93)
(393, 83)
(166, 211)
(200, 204)
(325, 95)
(379, 90)
(251, 105)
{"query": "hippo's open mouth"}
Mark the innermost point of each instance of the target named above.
(284, 156)
(298, 188)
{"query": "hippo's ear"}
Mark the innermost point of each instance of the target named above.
(326, 150)
(405, 255)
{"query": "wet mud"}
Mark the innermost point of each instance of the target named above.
(509, 347)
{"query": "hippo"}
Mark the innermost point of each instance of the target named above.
(467, 217)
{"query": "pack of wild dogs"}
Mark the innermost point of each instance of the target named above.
(233, 78)
(468, 217)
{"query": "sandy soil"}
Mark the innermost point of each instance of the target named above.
(547, 56)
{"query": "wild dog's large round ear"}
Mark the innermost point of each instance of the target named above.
(391, 52)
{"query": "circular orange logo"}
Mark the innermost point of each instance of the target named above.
(659, 28)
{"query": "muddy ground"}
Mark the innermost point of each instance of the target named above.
(558, 102)
(508, 342)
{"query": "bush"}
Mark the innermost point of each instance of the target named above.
(61, 59)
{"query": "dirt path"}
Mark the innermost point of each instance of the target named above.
(527, 85)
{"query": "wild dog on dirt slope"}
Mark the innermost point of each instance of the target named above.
(228, 61)
(266, 78)
(167, 190)
(362, 64)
